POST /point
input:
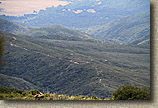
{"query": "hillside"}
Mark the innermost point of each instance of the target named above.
(83, 13)
(57, 32)
(75, 67)
(14, 28)
(11, 27)
(133, 29)
(50, 32)
(84, 50)
(14, 82)
(144, 40)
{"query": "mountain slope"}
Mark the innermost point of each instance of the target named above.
(14, 82)
(83, 13)
(50, 32)
(11, 27)
(75, 67)
(127, 30)
(145, 40)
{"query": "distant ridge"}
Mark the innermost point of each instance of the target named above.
(49, 32)
(11, 27)
(128, 30)
(83, 13)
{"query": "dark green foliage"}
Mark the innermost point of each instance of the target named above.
(129, 92)
(5, 94)
(47, 95)
(2, 97)
(11, 93)
(126, 92)
(4, 90)
(62, 61)
(2, 43)
(24, 93)
(34, 92)
(113, 64)
(94, 97)
(14, 82)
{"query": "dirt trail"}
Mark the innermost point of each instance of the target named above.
(99, 72)
(42, 53)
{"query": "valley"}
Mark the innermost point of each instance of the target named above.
(74, 67)
(86, 47)
(82, 14)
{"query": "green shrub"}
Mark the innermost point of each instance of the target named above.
(34, 92)
(2, 96)
(47, 95)
(24, 93)
(94, 97)
(129, 92)
(74, 98)
(30, 96)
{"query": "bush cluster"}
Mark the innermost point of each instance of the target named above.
(129, 92)
(126, 92)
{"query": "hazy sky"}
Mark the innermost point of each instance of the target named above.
(21, 7)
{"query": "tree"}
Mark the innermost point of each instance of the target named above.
(129, 92)
(2, 43)
(34, 92)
